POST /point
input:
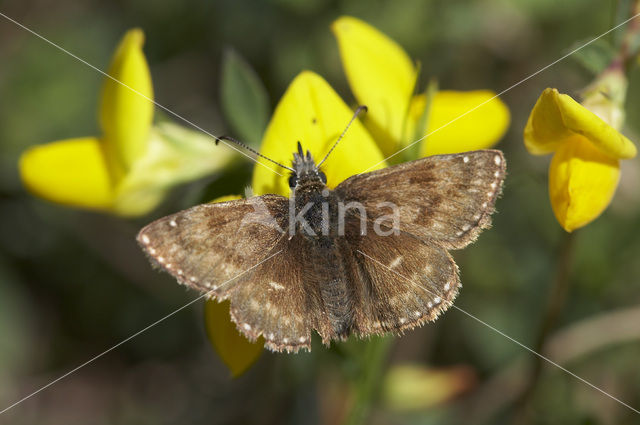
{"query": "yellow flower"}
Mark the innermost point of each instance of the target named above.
(310, 112)
(585, 169)
(383, 77)
(129, 169)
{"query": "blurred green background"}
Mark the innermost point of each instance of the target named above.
(74, 283)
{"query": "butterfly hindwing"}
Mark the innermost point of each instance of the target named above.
(404, 281)
(280, 298)
(448, 198)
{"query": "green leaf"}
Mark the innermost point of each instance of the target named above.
(245, 102)
(596, 56)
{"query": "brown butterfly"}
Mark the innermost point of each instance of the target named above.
(368, 257)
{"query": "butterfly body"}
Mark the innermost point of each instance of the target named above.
(368, 257)
(318, 210)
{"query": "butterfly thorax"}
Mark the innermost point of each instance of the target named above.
(314, 209)
(313, 206)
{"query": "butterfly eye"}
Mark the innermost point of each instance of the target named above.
(322, 176)
(293, 180)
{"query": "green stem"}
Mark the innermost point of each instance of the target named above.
(557, 300)
(367, 383)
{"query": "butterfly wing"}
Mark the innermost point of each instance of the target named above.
(401, 281)
(239, 250)
(195, 246)
(281, 299)
(446, 198)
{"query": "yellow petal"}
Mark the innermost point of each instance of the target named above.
(582, 181)
(125, 114)
(236, 351)
(464, 121)
(381, 76)
(557, 117)
(312, 113)
(71, 172)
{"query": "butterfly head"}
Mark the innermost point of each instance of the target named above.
(305, 169)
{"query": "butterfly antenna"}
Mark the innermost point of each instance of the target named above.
(253, 151)
(355, 115)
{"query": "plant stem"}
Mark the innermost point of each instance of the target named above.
(374, 357)
(628, 50)
(555, 305)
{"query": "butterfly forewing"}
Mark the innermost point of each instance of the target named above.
(448, 198)
(209, 246)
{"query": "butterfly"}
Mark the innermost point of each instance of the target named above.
(368, 257)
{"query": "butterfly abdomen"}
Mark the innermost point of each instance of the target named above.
(335, 292)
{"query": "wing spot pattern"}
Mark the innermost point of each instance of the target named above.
(276, 286)
(396, 262)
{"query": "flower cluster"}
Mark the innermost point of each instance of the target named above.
(383, 78)
(129, 169)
